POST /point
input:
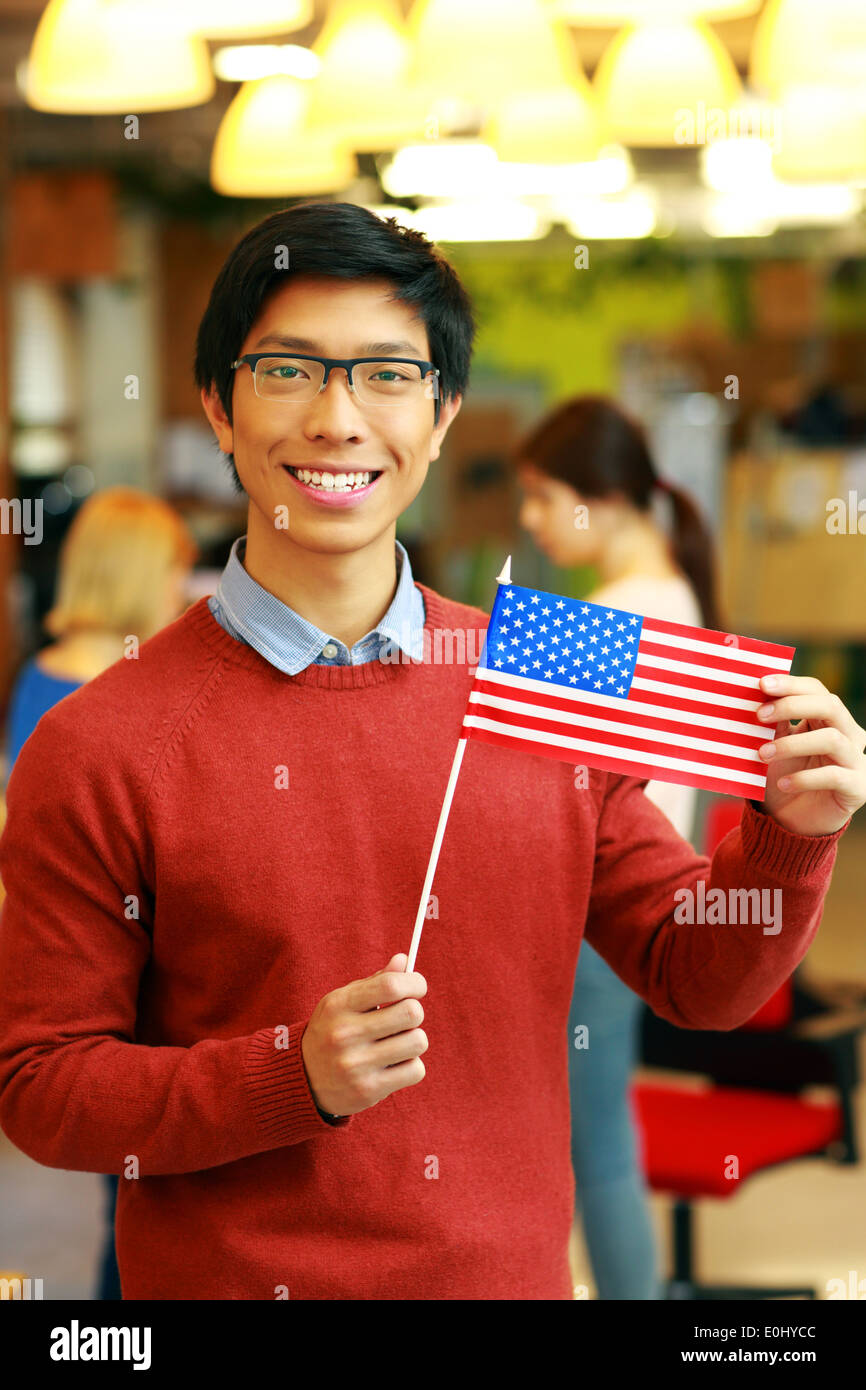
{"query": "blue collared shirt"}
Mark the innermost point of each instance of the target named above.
(253, 615)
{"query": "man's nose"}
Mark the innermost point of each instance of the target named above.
(334, 403)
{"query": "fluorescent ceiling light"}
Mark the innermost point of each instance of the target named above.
(470, 168)
(759, 212)
(821, 204)
(385, 210)
(611, 172)
(614, 219)
(447, 169)
(732, 216)
(480, 220)
(730, 165)
(245, 62)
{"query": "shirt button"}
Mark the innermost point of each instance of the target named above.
(329, 649)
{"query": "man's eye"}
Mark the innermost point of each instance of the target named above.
(282, 372)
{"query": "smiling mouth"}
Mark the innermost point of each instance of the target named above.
(319, 481)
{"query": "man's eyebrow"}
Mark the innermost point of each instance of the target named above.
(366, 350)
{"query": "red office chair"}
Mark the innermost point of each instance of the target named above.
(692, 1141)
(750, 1107)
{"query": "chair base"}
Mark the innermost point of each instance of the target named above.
(685, 1289)
(684, 1285)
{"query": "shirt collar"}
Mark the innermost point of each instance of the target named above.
(287, 639)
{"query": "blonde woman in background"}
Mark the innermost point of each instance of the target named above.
(122, 571)
(589, 453)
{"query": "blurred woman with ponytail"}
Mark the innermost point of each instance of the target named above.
(592, 496)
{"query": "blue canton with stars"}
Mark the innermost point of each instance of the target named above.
(561, 641)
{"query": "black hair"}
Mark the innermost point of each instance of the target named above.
(346, 241)
(596, 447)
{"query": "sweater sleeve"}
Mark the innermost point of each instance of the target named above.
(76, 1089)
(703, 958)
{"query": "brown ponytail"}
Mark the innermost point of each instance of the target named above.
(592, 444)
(692, 546)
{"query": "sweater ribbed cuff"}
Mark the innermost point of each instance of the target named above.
(779, 852)
(279, 1091)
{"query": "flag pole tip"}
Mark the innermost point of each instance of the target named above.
(505, 576)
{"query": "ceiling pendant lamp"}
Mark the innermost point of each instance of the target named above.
(802, 42)
(651, 75)
(823, 132)
(227, 19)
(602, 14)
(362, 89)
(560, 126)
(266, 148)
(96, 57)
(479, 51)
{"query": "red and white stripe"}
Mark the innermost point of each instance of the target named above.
(689, 716)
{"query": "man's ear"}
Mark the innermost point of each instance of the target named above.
(219, 421)
(447, 412)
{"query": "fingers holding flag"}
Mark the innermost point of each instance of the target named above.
(817, 765)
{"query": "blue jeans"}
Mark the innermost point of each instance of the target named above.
(611, 1190)
(109, 1278)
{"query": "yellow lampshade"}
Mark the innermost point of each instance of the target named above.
(115, 56)
(560, 126)
(479, 51)
(602, 14)
(823, 135)
(650, 75)
(802, 42)
(226, 19)
(266, 148)
(362, 88)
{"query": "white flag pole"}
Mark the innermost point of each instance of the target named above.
(434, 857)
(503, 578)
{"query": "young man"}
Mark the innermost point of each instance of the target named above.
(215, 852)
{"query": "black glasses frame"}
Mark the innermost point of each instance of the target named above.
(253, 358)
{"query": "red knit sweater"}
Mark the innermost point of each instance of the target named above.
(170, 904)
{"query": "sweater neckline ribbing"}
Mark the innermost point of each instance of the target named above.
(367, 673)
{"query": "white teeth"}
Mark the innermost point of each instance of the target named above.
(339, 482)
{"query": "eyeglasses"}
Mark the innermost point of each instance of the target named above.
(277, 376)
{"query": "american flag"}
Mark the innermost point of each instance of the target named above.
(604, 688)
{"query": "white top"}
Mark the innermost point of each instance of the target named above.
(674, 600)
